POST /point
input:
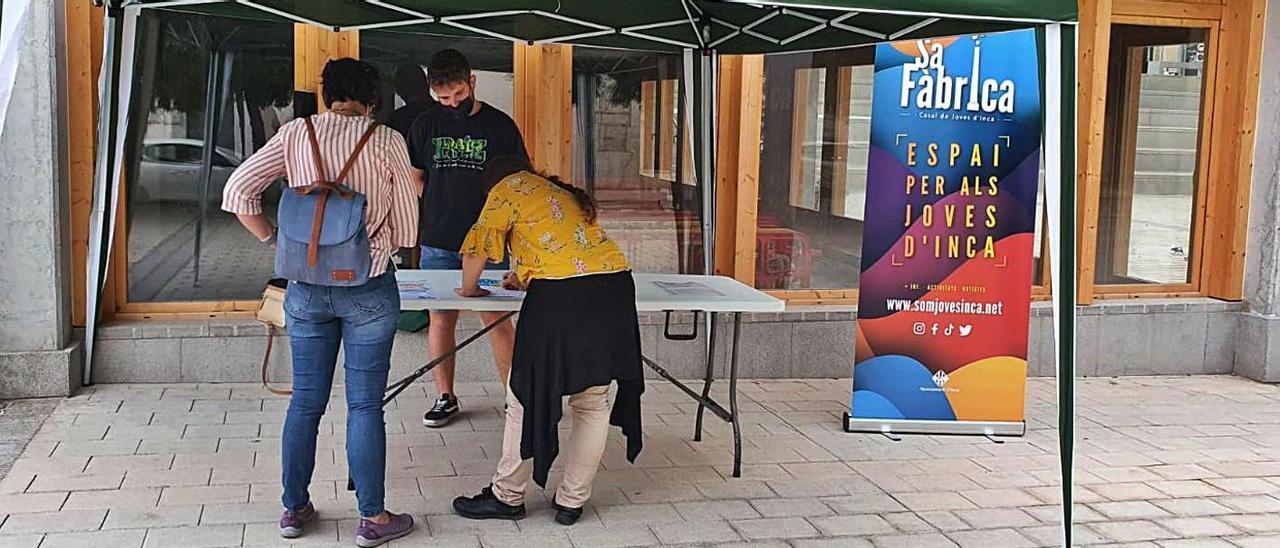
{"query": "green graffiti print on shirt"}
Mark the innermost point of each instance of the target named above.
(460, 151)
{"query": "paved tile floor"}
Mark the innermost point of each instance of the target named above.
(1186, 461)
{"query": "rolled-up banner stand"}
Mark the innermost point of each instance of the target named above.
(945, 294)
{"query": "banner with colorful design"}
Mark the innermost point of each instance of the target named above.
(945, 293)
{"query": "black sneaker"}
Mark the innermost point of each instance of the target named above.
(566, 515)
(442, 412)
(486, 506)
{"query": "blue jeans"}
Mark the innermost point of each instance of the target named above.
(434, 258)
(363, 320)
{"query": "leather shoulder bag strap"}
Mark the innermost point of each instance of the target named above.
(355, 153)
(266, 363)
(315, 148)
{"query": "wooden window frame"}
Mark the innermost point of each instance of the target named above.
(313, 47)
(1229, 115)
(1128, 141)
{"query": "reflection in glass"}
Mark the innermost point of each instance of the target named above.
(1150, 182)
(491, 62)
(813, 169)
(181, 246)
(632, 154)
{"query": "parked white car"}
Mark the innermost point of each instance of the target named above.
(170, 171)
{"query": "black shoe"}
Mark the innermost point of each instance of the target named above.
(486, 506)
(566, 515)
(445, 409)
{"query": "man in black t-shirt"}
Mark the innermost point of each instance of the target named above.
(452, 144)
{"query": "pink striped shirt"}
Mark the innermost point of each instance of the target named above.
(382, 173)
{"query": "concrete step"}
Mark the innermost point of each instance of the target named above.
(1168, 160)
(1168, 137)
(1172, 100)
(1163, 183)
(1168, 118)
(1154, 82)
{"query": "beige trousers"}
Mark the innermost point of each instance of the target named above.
(589, 411)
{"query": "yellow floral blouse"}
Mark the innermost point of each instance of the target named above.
(548, 233)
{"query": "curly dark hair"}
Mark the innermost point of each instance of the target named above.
(351, 80)
(448, 66)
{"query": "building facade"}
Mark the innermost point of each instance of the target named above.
(1179, 161)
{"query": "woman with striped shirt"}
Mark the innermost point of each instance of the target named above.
(362, 319)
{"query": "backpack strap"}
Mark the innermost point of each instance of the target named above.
(325, 187)
(351, 160)
(315, 148)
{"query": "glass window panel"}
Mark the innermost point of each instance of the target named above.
(1151, 175)
(180, 245)
(629, 123)
(492, 62)
(816, 129)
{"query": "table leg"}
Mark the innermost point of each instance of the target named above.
(733, 396)
(710, 375)
(399, 386)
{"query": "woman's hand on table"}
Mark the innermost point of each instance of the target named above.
(512, 282)
(471, 292)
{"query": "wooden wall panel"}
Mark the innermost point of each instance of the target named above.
(1094, 44)
(740, 104)
(750, 112)
(728, 128)
(313, 47)
(1231, 160)
(84, 62)
(544, 105)
(1207, 10)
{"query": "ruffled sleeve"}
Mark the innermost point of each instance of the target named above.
(486, 241)
(488, 237)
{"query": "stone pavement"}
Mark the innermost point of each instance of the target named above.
(1172, 461)
(19, 420)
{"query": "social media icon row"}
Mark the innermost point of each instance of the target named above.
(920, 329)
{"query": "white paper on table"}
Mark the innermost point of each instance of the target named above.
(495, 289)
(416, 291)
(689, 288)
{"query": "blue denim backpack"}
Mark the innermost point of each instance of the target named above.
(322, 237)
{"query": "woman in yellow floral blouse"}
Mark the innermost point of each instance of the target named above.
(577, 333)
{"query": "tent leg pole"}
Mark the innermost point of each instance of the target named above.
(1059, 135)
(104, 170)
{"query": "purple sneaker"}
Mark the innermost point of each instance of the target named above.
(292, 522)
(371, 534)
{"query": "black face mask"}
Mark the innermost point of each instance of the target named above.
(463, 108)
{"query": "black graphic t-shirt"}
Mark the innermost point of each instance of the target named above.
(453, 151)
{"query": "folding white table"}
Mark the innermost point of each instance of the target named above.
(668, 293)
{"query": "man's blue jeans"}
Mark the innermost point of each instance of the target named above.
(363, 320)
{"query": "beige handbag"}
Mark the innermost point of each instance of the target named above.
(271, 314)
